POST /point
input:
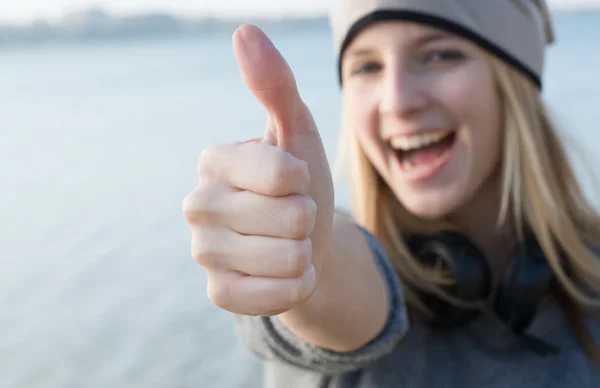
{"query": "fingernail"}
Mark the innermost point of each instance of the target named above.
(254, 139)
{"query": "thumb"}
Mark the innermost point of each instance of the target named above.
(271, 80)
(290, 124)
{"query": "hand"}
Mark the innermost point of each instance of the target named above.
(262, 213)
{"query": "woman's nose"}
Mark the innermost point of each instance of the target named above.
(402, 93)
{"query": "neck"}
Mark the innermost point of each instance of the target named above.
(478, 220)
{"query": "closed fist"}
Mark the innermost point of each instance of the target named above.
(262, 212)
(251, 218)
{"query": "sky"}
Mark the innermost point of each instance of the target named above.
(25, 11)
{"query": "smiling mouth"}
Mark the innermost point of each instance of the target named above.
(423, 151)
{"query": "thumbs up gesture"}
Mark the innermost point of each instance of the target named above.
(262, 213)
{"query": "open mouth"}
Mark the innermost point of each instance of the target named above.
(423, 151)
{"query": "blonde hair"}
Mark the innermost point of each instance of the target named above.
(539, 191)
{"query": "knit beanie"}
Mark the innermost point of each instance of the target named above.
(517, 31)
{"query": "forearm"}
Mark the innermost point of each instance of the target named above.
(350, 305)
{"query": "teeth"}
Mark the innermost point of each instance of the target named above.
(407, 143)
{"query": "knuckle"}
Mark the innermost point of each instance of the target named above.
(206, 159)
(302, 217)
(201, 202)
(187, 205)
(204, 199)
(299, 257)
(220, 293)
(213, 159)
(205, 252)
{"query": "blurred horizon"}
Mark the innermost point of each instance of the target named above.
(55, 10)
(102, 24)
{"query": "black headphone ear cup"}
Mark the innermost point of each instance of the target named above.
(524, 284)
(468, 268)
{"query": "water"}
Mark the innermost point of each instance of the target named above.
(98, 147)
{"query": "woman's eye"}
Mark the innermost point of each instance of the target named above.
(366, 68)
(443, 56)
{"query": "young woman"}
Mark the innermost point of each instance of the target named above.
(469, 260)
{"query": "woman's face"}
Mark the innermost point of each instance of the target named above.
(426, 113)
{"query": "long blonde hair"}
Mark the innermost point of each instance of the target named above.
(539, 191)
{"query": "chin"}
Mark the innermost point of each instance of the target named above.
(427, 212)
(430, 206)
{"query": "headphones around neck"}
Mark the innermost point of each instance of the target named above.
(523, 286)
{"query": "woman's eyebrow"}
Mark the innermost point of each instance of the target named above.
(360, 52)
(431, 37)
(420, 41)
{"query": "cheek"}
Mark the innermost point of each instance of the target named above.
(475, 105)
(364, 117)
(470, 95)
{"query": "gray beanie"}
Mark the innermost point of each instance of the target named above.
(517, 31)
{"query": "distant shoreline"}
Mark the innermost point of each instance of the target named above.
(97, 24)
